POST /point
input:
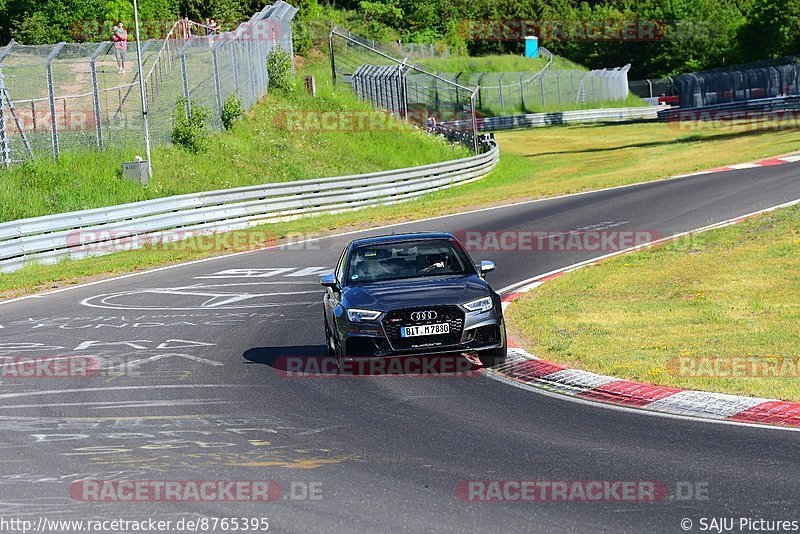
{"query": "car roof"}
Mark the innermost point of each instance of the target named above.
(397, 238)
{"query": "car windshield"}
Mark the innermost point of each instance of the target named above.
(414, 259)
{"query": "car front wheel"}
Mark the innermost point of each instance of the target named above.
(493, 357)
(328, 337)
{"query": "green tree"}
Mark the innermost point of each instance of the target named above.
(772, 30)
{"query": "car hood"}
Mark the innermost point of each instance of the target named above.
(431, 291)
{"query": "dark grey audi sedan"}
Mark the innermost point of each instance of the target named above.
(411, 294)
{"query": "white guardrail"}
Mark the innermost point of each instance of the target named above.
(80, 234)
(535, 120)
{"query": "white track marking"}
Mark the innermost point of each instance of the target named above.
(740, 166)
(137, 363)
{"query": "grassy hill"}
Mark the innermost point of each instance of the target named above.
(264, 146)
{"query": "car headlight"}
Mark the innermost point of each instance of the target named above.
(480, 305)
(356, 316)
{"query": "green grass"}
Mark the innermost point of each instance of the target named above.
(259, 149)
(674, 314)
(479, 64)
(534, 164)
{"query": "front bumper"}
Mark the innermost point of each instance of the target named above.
(470, 332)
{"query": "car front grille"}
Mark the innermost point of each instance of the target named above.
(453, 315)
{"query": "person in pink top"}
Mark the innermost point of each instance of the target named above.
(120, 39)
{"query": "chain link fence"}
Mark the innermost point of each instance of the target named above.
(763, 79)
(496, 93)
(69, 96)
(409, 92)
(547, 90)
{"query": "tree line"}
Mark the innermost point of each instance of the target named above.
(658, 37)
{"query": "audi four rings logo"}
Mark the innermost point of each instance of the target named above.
(424, 315)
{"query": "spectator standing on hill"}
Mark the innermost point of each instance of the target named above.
(431, 123)
(120, 39)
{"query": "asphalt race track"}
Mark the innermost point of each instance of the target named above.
(201, 398)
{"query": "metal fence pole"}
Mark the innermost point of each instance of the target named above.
(571, 85)
(96, 93)
(51, 92)
(185, 76)
(500, 85)
(259, 71)
(541, 87)
(4, 143)
(333, 56)
(235, 66)
(249, 54)
(4, 148)
(558, 88)
(217, 87)
(474, 120)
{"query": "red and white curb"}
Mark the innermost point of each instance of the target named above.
(523, 369)
(769, 162)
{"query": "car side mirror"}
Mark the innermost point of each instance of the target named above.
(329, 280)
(486, 267)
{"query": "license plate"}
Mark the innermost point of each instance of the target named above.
(425, 330)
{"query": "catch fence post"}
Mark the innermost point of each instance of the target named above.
(51, 93)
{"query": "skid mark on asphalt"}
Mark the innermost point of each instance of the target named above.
(175, 446)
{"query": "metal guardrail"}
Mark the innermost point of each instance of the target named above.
(732, 110)
(535, 120)
(100, 231)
